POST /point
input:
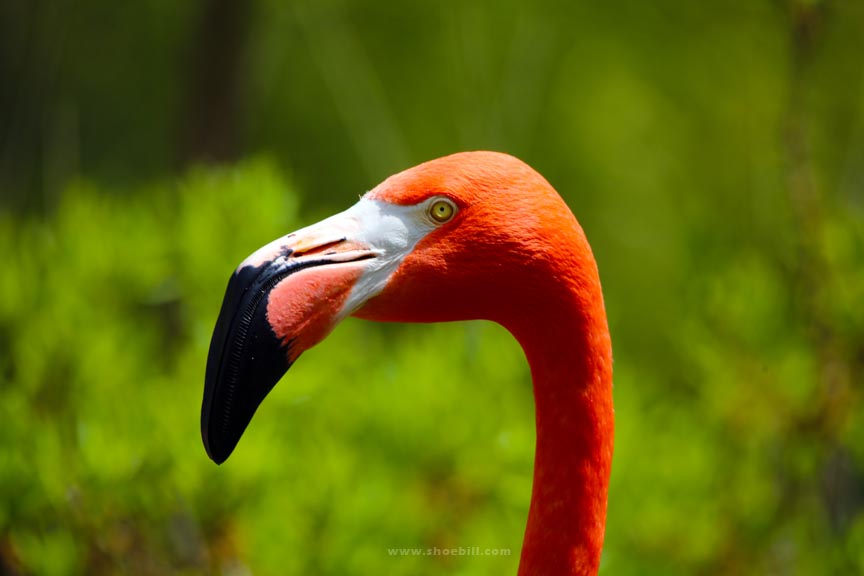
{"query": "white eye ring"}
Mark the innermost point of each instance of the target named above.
(441, 210)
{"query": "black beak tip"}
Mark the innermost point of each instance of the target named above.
(246, 359)
(217, 451)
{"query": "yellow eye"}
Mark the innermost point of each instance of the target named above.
(442, 211)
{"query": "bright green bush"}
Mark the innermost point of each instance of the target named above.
(395, 436)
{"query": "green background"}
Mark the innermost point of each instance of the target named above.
(713, 152)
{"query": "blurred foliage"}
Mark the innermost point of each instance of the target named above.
(106, 318)
(714, 155)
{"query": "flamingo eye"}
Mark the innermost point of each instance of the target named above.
(442, 210)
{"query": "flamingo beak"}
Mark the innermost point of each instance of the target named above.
(281, 301)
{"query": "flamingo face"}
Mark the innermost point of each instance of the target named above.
(288, 295)
(438, 242)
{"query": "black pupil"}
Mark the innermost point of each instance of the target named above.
(442, 210)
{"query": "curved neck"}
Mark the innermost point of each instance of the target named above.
(568, 348)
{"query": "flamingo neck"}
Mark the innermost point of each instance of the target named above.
(569, 351)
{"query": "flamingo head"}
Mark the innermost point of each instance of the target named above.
(468, 236)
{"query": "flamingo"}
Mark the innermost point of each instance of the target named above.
(473, 235)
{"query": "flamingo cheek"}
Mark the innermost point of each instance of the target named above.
(305, 307)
